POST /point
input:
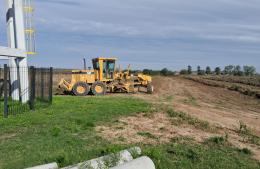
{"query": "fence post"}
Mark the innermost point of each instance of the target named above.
(19, 83)
(42, 83)
(51, 84)
(5, 91)
(9, 84)
(32, 92)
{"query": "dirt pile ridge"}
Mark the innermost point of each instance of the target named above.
(150, 129)
(222, 108)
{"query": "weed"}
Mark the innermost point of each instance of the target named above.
(191, 101)
(55, 131)
(120, 128)
(247, 135)
(61, 158)
(73, 127)
(162, 128)
(216, 140)
(134, 152)
(181, 117)
(183, 139)
(192, 155)
(121, 139)
(89, 125)
(112, 160)
(169, 98)
(245, 151)
(147, 134)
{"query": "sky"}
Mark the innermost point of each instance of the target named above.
(145, 33)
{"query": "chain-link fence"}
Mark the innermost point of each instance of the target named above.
(24, 89)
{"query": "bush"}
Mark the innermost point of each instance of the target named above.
(245, 151)
(216, 140)
(217, 70)
(228, 70)
(249, 70)
(166, 72)
(184, 72)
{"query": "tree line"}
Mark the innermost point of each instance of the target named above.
(163, 72)
(228, 70)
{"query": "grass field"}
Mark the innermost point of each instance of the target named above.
(64, 132)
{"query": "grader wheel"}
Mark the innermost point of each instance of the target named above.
(150, 88)
(81, 89)
(98, 88)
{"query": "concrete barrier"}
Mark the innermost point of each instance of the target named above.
(109, 160)
(122, 159)
(139, 163)
(46, 166)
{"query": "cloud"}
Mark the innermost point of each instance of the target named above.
(170, 33)
(62, 2)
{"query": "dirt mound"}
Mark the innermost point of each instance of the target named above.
(153, 129)
(217, 105)
(220, 107)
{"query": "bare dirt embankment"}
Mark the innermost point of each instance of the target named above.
(216, 105)
(232, 114)
(228, 110)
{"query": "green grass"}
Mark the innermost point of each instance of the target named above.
(179, 155)
(181, 118)
(64, 133)
(247, 134)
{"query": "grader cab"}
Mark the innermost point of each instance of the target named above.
(103, 78)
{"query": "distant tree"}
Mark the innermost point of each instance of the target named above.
(189, 70)
(237, 71)
(147, 71)
(184, 72)
(217, 70)
(208, 70)
(172, 73)
(135, 71)
(249, 70)
(164, 72)
(228, 70)
(198, 70)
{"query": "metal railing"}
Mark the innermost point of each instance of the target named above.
(39, 90)
(28, 7)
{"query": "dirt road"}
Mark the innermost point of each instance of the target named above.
(217, 105)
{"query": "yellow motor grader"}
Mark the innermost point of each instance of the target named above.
(103, 78)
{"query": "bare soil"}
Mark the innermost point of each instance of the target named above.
(221, 107)
(150, 129)
(7, 136)
(217, 105)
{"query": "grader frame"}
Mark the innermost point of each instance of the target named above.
(103, 78)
